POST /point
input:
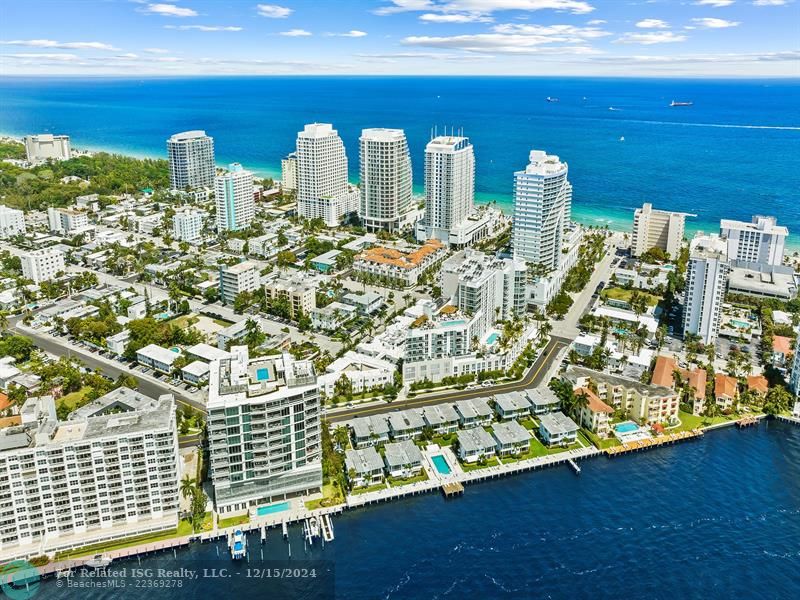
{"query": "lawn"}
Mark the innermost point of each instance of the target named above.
(591, 439)
(222, 322)
(330, 497)
(624, 295)
(369, 488)
(184, 321)
(529, 424)
(690, 421)
(231, 521)
(75, 400)
(184, 529)
(467, 467)
(397, 481)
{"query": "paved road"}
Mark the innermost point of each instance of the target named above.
(568, 327)
(149, 386)
(533, 378)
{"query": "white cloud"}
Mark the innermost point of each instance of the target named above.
(156, 50)
(596, 22)
(770, 2)
(395, 56)
(651, 37)
(555, 33)
(203, 27)
(42, 56)
(483, 7)
(353, 33)
(63, 45)
(170, 10)
(454, 18)
(273, 11)
(652, 24)
(714, 3)
(712, 23)
(296, 33)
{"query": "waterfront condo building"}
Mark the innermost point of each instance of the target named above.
(706, 281)
(236, 205)
(794, 376)
(191, 160)
(12, 222)
(322, 188)
(238, 278)
(386, 181)
(109, 472)
(42, 265)
(264, 430)
(289, 173)
(657, 229)
(46, 146)
(449, 187)
(542, 210)
(187, 225)
(761, 241)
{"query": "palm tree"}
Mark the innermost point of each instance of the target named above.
(188, 486)
(3, 321)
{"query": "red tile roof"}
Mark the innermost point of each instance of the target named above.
(725, 386)
(758, 383)
(595, 404)
(782, 344)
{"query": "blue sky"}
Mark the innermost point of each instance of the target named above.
(667, 38)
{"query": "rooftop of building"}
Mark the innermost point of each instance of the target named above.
(188, 135)
(241, 267)
(557, 422)
(708, 246)
(404, 260)
(402, 453)
(759, 223)
(595, 404)
(510, 432)
(382, 134)
(574, 372)
(542, 163)
(365, 460)
(725, 386)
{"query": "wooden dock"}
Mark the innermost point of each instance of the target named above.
(746, 422)
(452, 488)
(662, 440)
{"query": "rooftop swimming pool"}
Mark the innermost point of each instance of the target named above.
(176, 349)
(626, 427)
(739, 324)
(453, 323)
(492, 338)
(441, 464)
(262, 375)
(272, 509)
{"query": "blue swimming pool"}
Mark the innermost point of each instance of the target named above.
(453, 323)
(492, 338)
(441, 464)
(739, 324)
(626, 427)
(272, 508)
(262, 374)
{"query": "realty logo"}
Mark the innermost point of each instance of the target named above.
(19, 580)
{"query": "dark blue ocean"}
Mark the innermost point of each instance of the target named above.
(734, 153)
(712, 518)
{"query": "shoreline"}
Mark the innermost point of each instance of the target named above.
(588, 215)
(397, 493)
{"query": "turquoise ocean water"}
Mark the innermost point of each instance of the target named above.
(734, 153)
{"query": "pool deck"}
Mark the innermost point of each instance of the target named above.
(646, 444)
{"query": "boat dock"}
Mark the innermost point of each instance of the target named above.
(662, 440)
(327, 528)
(452, 488)
(574, 466)
(791, 420)
(746, 422)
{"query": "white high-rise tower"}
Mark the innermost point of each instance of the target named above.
(322, 188)
(706, 280)
(191, 160)
(386, 178)
(236, 205)
(542, 209)
(449, 185)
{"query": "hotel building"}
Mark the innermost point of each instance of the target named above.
(322, 188)
(761, 241)
(657, 229)
(191, 160)
(542, 210)
(264, 430)
(46, 146)
(386, 180)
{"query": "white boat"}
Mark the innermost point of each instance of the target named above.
(612, 108)
(622, 138)
(98, 561)
(238, 545)
(551, 99)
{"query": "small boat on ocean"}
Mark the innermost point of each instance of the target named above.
(622, 138)
(612, 108)
(99, 561)
(675, 103)
(551, 99)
